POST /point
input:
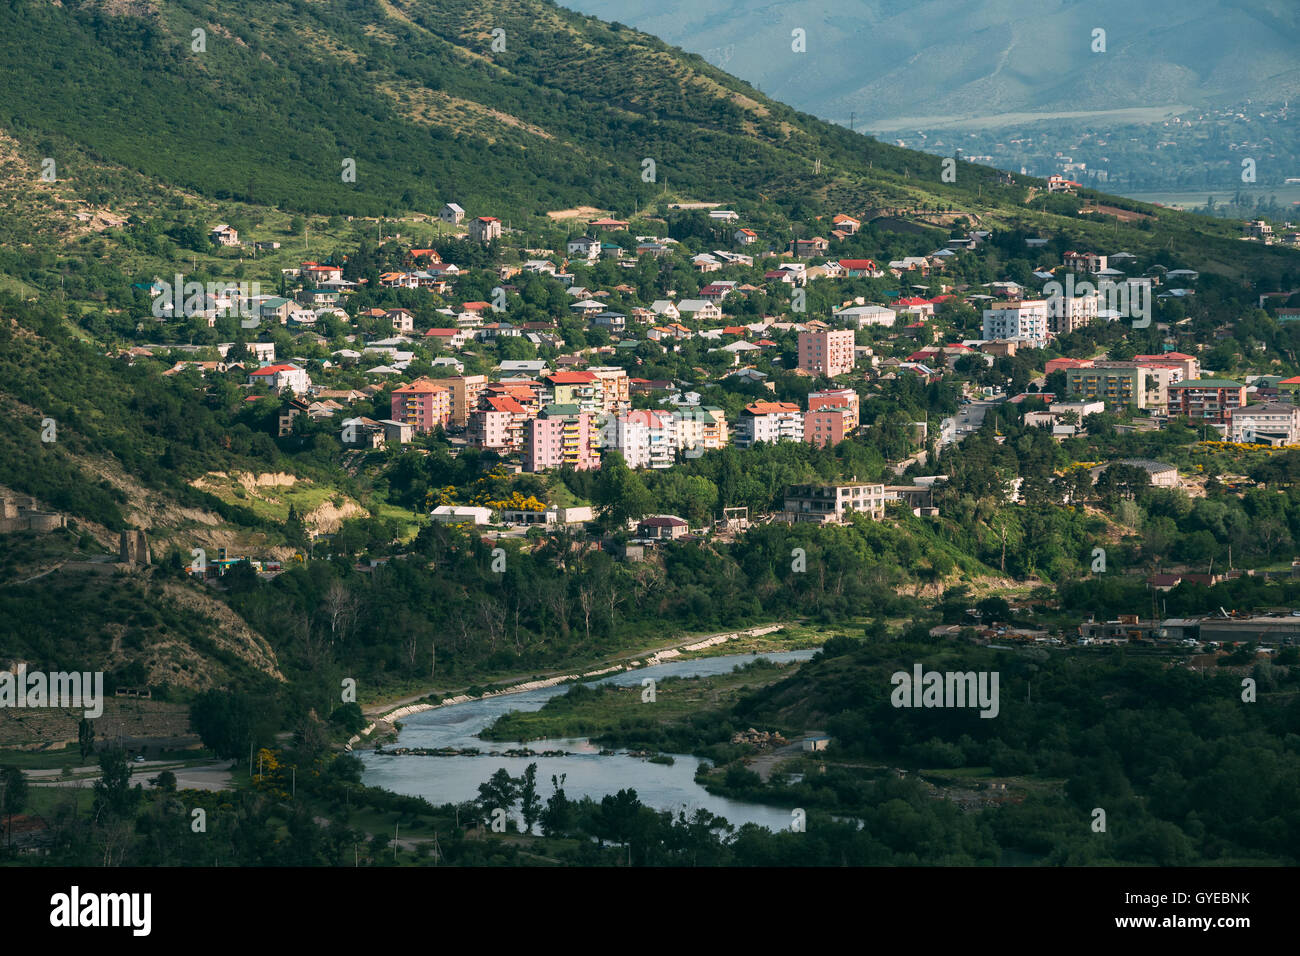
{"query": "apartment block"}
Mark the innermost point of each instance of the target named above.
(583, 389)
(1272, 423)
(833, 503)
(615, 397)
(1188, 365)
(1207, 400)
(1024, 321)
(645, 439)
(422, 405)
(769, 422)
(828, 353)
(559, 436)
(845, 398)
(465, 391)
(1065, 314)
(497, 424)
(1118, 383)
(826, 426)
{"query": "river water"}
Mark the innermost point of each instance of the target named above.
(455, 779)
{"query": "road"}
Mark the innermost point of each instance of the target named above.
(215, 776)
(968, 419)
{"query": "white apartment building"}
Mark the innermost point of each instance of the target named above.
(769, 422)
(1025, 320)
(646, 439)
(1272, 423)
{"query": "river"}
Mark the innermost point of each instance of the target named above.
(455, 779)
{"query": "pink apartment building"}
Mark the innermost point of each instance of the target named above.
(560, 435)
(422, 405)
(827, 353)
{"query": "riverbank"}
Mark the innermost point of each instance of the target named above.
(628, 716)
(383, 721)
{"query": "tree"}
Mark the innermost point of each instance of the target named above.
(557, 818)
(340, 609)
(165, 782)
(13, 796)
(228, 722)
(85, 737)
(993, 608)
(620, 493)
(530, 804)
(498, 793)
(114, 797)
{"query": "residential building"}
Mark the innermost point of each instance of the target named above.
(584, 247)
(485, 228)
(1088, 262)
(402, 320)
(452, 214)
(646, 439)
(769, 422)
(1121, 383)
(583, 389)
(615, 397)
(465, 391)
(861, 316)
(662, 527)
(1023, 320)
(422, 404)
(1061, 364)
(224, 235)
(450, 338)
(846, 224)
(828, 353)
(808, 248)
(279, 377)
(833, 503)
(1189, 365)
(560, 436)
(845, 398)
(697, 428)
(497, 424)
(1207, 400)
(1067, 313)
(861, 269)
(1272, 423)
(826, 426)
(701, 310)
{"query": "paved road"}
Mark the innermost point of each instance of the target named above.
(214, 776)
(968, 419)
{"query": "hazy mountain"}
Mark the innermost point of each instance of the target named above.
(891, 62)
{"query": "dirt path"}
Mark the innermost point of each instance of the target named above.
(764, 764)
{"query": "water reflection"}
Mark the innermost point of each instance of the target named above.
(455, 779)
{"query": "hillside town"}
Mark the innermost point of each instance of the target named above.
(442, 366)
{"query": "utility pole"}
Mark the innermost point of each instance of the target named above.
(396, 826)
